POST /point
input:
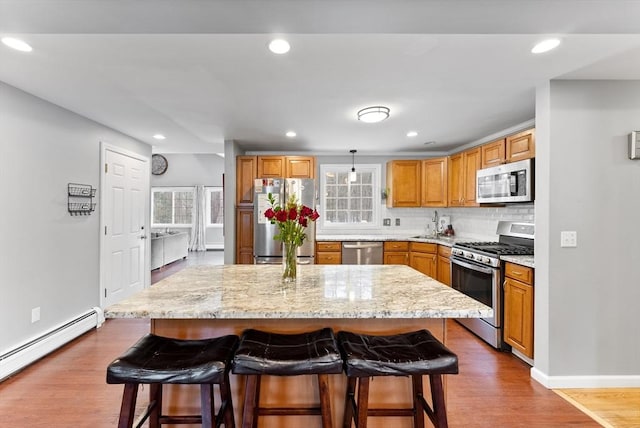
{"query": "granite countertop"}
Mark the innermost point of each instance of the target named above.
(441, 240)
(521, 260)
(321, 291)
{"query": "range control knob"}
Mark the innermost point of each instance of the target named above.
(487, 260)
(469, 256)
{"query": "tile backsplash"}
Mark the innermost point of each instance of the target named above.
(479, 223)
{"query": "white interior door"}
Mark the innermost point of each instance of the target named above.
(125, 211)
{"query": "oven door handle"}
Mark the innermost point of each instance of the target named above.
(472, 266)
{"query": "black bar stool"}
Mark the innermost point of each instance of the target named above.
(157, 360)
(412, 354)
(262, 353)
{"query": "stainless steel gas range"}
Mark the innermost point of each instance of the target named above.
(476, 270)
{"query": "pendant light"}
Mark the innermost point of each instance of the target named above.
(352, 175)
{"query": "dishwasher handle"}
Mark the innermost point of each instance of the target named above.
(361, 246)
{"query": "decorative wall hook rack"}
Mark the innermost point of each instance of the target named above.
(80, 199)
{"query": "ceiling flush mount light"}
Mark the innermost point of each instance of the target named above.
(279, 46)
(17, 44)
(159, 137)
(545, 46)
(412, 134)
(373, 114)
(352, 175)
(291, 134)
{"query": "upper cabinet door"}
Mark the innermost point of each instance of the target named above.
(456, 180)
(300, 167)
(246, 171)
(271, 167)
(493, 153)
(521, 146)
(434, 182)
(403, 183)
(472, 163)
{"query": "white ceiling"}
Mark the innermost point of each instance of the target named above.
(200, 73)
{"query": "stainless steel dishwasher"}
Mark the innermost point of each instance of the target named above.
(362, 253)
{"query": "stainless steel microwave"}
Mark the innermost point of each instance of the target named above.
(511, 182)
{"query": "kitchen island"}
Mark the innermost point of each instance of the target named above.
(208, 301)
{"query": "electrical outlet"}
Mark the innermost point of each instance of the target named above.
(35, 314)
(569, 238)
(386, 222)
(397, 222)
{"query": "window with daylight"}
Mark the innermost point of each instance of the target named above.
(349, 204)
(215, 207)
(171, 206)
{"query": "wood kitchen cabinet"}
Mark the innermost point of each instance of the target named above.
(271, 166)
(462, 178)
(403, 183)
(434, 182)
(423, 257)
(493, 153)
(300, 167)
(396, 253)
(286, 166)
(328, 252)
(444, 265)
(244, 235)
(521, 146)
(518, 308)
(246, 172)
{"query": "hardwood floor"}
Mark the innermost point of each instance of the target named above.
(68, 389)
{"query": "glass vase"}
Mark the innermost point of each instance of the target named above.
(289, 262)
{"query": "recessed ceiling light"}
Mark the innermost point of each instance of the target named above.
(373, 114)
(17, 44)
(412, 134)
(291, 134)
(545, 46)
(159, 137)
(279, 46)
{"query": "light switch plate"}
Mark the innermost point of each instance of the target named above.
(569, 238)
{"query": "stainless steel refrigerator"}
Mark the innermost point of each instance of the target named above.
(267, 250)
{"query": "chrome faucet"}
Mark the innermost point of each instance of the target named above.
(435, 221)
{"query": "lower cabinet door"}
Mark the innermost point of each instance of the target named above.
(424, 262)
(518, 316)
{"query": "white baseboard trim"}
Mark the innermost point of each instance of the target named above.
(32, 350)
(558, 382)
(215, 246)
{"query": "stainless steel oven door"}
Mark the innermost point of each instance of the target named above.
(478, 282)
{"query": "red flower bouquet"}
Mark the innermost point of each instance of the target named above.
(292, 219)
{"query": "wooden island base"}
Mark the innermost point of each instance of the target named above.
(299, 390)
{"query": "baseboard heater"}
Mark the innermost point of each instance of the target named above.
(36, 348)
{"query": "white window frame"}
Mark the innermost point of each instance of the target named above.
(376, 170)
(169, 189)
(208, 191)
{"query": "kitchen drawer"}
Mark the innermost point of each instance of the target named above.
(424, 247)
(521, 273)
(329, 246)
(444, 251)
(396, 246)
(329, 258)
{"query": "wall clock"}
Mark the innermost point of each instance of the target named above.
(159, 164)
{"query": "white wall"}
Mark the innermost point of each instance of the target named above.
(587, 298)
(48, 258)
(188, 170)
